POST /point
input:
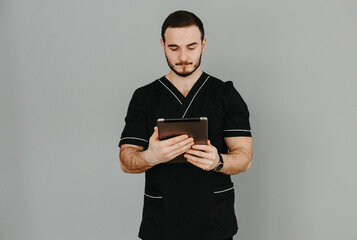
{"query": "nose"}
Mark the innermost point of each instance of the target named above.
(183, 55)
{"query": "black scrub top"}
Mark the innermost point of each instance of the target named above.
(182, 201)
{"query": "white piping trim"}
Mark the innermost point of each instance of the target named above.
(171, 92)
(134, 138)
(194, 97)
(241, 130)
(223, 190)
(152, 196)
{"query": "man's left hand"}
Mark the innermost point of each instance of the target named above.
(203, 156)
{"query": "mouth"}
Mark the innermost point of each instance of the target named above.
(183, 64)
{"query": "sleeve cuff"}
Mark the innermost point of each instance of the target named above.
(135, 141)
(237, 133)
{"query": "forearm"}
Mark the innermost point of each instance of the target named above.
(133, 160)
(236, 161)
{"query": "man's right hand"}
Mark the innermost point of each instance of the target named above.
(166, 150)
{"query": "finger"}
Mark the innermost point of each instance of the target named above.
(174, 140)
(182, 145)
(205, 148)
(209, 143)
(199, 160)
(198, 164)
(180, 151)
(197, 153)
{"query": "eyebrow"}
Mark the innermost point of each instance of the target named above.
(189, 45)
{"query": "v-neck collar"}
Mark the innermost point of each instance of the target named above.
(190, 94)
(185, 101)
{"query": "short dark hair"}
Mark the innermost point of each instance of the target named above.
(181, 19)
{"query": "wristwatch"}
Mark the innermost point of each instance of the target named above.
(220, 164)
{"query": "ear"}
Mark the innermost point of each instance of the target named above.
(204, 41)
(162, 44)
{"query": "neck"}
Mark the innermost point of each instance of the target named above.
(184, 84)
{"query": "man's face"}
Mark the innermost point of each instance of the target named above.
(183, 49)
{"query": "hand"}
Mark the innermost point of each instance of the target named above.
(203, 156)
(166, 150)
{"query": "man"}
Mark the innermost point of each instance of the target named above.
(193, 200)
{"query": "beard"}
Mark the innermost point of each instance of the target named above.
(183, 73)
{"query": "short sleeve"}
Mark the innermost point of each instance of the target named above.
(136, 122)
(236, 121)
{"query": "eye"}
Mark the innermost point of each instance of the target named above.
(174, 49)
(191, 48)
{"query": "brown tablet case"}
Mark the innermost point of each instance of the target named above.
(193, 127)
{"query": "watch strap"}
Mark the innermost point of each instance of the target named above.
(220, 164)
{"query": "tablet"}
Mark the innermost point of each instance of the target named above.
(197, 128)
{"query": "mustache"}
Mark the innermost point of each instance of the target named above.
(183, 63)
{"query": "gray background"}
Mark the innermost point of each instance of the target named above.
(68, 69)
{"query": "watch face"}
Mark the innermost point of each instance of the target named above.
(219, 167)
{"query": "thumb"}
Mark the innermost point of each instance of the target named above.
(155, 135)
(209, 142)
